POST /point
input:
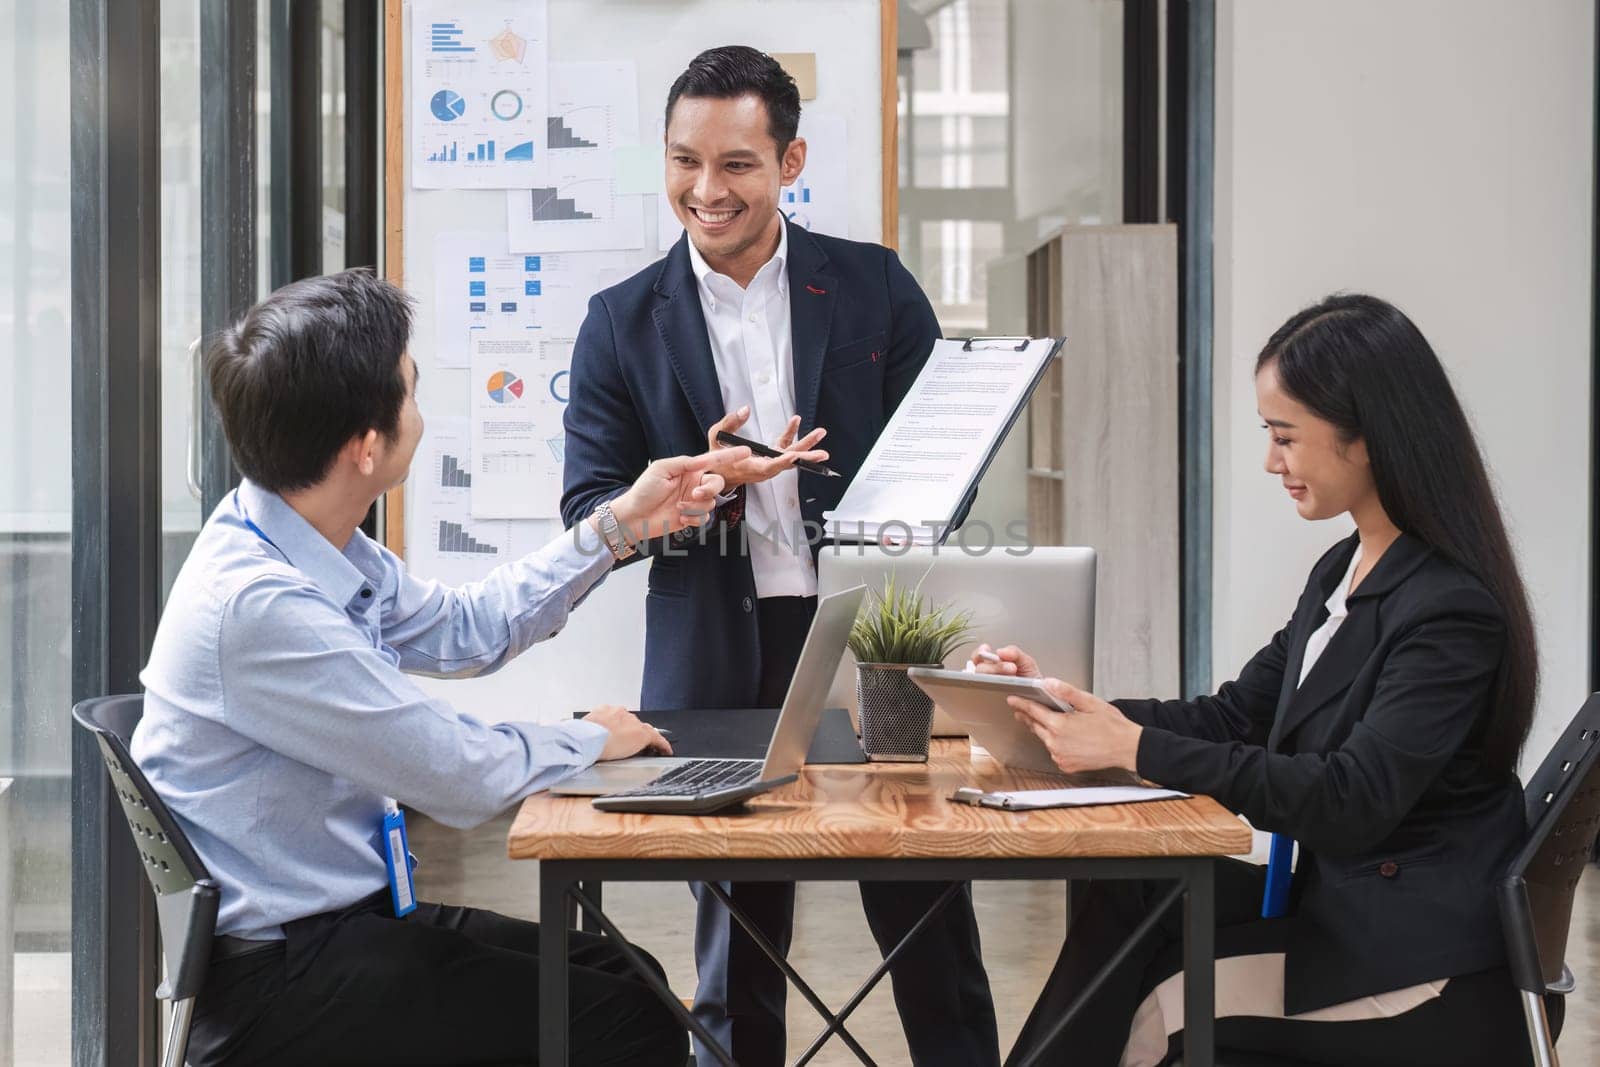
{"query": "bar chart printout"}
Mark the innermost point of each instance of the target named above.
(452, 475)
(574, 204)
(550, 206)
(453, 537)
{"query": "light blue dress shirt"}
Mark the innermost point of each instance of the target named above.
(278, 719)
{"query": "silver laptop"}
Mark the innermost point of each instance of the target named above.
(696, 786)
(1042, 601)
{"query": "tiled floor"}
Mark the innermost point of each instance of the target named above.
(1022, 925)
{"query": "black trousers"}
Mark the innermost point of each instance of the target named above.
(444, 985)
(940, 988)
(1476, 1020)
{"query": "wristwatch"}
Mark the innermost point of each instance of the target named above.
(611, 530)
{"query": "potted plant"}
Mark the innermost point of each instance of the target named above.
(898, 630)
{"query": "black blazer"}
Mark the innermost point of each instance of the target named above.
(644, 385)
(1374, 766)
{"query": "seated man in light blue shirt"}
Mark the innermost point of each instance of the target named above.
(279, 719)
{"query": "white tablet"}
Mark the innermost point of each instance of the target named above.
(978, 703)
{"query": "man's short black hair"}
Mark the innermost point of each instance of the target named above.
(310, 367)
(737, 70)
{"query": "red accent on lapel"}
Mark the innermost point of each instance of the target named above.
(815, 291)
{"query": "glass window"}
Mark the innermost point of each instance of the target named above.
(1010, 126)
(180, 282)
(333, 138)
(35, 535)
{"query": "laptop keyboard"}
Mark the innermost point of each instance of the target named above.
(698, 776)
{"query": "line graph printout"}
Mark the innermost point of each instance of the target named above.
(479, 93)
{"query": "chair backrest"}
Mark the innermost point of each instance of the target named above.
(186, 895)
(1563, 819)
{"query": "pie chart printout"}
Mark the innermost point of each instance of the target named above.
(504, 387)
(447, 105)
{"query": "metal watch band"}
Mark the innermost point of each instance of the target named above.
(611, 530)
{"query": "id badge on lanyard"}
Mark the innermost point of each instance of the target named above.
(1280, 869)
(396, 856)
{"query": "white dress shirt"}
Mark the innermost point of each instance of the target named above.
(1317, 643)
(754, 355)
(279, 718)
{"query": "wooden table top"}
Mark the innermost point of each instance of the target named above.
(897, 810)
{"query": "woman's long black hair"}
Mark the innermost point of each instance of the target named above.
(1359, 363)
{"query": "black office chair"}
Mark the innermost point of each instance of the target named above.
(186, 897)
(1537, 893)
(1563, 810)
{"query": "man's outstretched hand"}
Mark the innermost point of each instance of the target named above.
(675, 493)
(754, 468)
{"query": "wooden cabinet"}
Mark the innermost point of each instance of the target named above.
(1103, 464)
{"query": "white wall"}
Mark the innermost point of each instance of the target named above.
(599, 657)
(1437, 153)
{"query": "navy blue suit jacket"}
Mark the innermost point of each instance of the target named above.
(644, 386)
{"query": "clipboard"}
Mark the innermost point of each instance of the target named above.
(851, 520)
(1080, 797)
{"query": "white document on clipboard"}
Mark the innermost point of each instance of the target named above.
(941, 439)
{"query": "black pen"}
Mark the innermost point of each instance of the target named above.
(766, 452)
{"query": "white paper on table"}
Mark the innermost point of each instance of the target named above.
(938, 441)
(519, 395)
(479, 89)
(1087, 796)
(479, 285)
(819, 199)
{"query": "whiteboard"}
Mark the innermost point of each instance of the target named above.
(599, 657)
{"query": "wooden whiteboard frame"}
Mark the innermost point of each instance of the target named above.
(394, 166)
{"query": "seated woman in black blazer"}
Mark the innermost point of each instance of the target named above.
(1379, 729)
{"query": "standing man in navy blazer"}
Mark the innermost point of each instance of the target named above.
(757, 326)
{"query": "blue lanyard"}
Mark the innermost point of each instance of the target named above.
(249, 522)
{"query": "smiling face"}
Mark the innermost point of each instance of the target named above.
(724, 172)
(1324, 475)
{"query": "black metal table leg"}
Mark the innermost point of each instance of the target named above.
(592, 889)
(1035, 1055)
(553, 981)
(835, 1023)
(1199, 965)
(591, 911)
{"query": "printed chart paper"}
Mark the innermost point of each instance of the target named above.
(479, 285)
(448, 544)
(479, 79)
(519, 395)
(574, 205)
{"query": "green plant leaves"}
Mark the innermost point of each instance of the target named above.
(898, 626)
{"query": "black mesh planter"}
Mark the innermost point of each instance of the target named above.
(896, 715)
